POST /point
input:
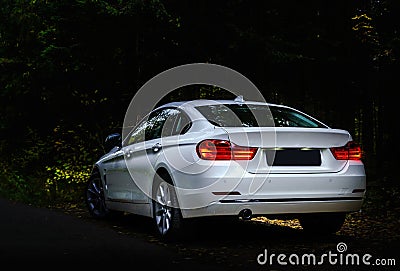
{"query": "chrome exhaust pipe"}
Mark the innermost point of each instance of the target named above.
(245, 214)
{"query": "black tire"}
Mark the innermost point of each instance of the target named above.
(167, 215)
(94, 197)
(322, 223)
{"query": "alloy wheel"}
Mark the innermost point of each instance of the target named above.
(95, 198)
(163, 209)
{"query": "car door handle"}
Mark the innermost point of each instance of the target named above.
(128, 153)
(156, 147)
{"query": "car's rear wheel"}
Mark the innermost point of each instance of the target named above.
(166, 212)
(94, 195)
(324, 223)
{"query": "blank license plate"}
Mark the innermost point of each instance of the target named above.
(294, 157)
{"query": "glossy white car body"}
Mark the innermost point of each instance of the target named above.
(232, 187)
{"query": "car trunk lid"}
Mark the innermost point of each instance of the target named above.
(290, 149)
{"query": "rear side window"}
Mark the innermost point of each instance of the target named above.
(176, 124)
(152, 127)
(242, 115)
(161, 123)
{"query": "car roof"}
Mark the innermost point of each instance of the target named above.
(202, 102)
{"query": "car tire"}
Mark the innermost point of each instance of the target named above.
(166, 213)
(324, 223)
(94, 197)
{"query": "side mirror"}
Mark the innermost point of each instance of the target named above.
(113, 140)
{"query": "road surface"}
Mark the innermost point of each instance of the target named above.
(53, 239)
(50, 239)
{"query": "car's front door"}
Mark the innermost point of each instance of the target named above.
(119, 183)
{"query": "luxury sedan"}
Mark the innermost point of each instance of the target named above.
(229, 158)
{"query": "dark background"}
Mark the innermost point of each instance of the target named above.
(69, 69)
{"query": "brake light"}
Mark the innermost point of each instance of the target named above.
(351, 151)
(216, 149)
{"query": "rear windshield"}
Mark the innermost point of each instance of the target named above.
(243, 115)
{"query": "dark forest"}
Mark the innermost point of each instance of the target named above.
(68, 70)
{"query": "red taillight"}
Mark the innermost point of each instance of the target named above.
(215, 149)
(351, 151)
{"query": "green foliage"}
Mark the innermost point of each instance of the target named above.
(21, 177)
(52, 170)
(56, 78)
(74, 150)
(66, 182)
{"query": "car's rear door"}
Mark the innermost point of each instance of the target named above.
(141, 156)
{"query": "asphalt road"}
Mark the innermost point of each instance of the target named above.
(50, 239)
(53, 239)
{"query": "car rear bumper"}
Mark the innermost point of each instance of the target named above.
(281, 207)
(266, 194)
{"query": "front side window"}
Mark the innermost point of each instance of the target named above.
(242, 115)
(138, 135)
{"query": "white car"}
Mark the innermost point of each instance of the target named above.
(206, 158)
